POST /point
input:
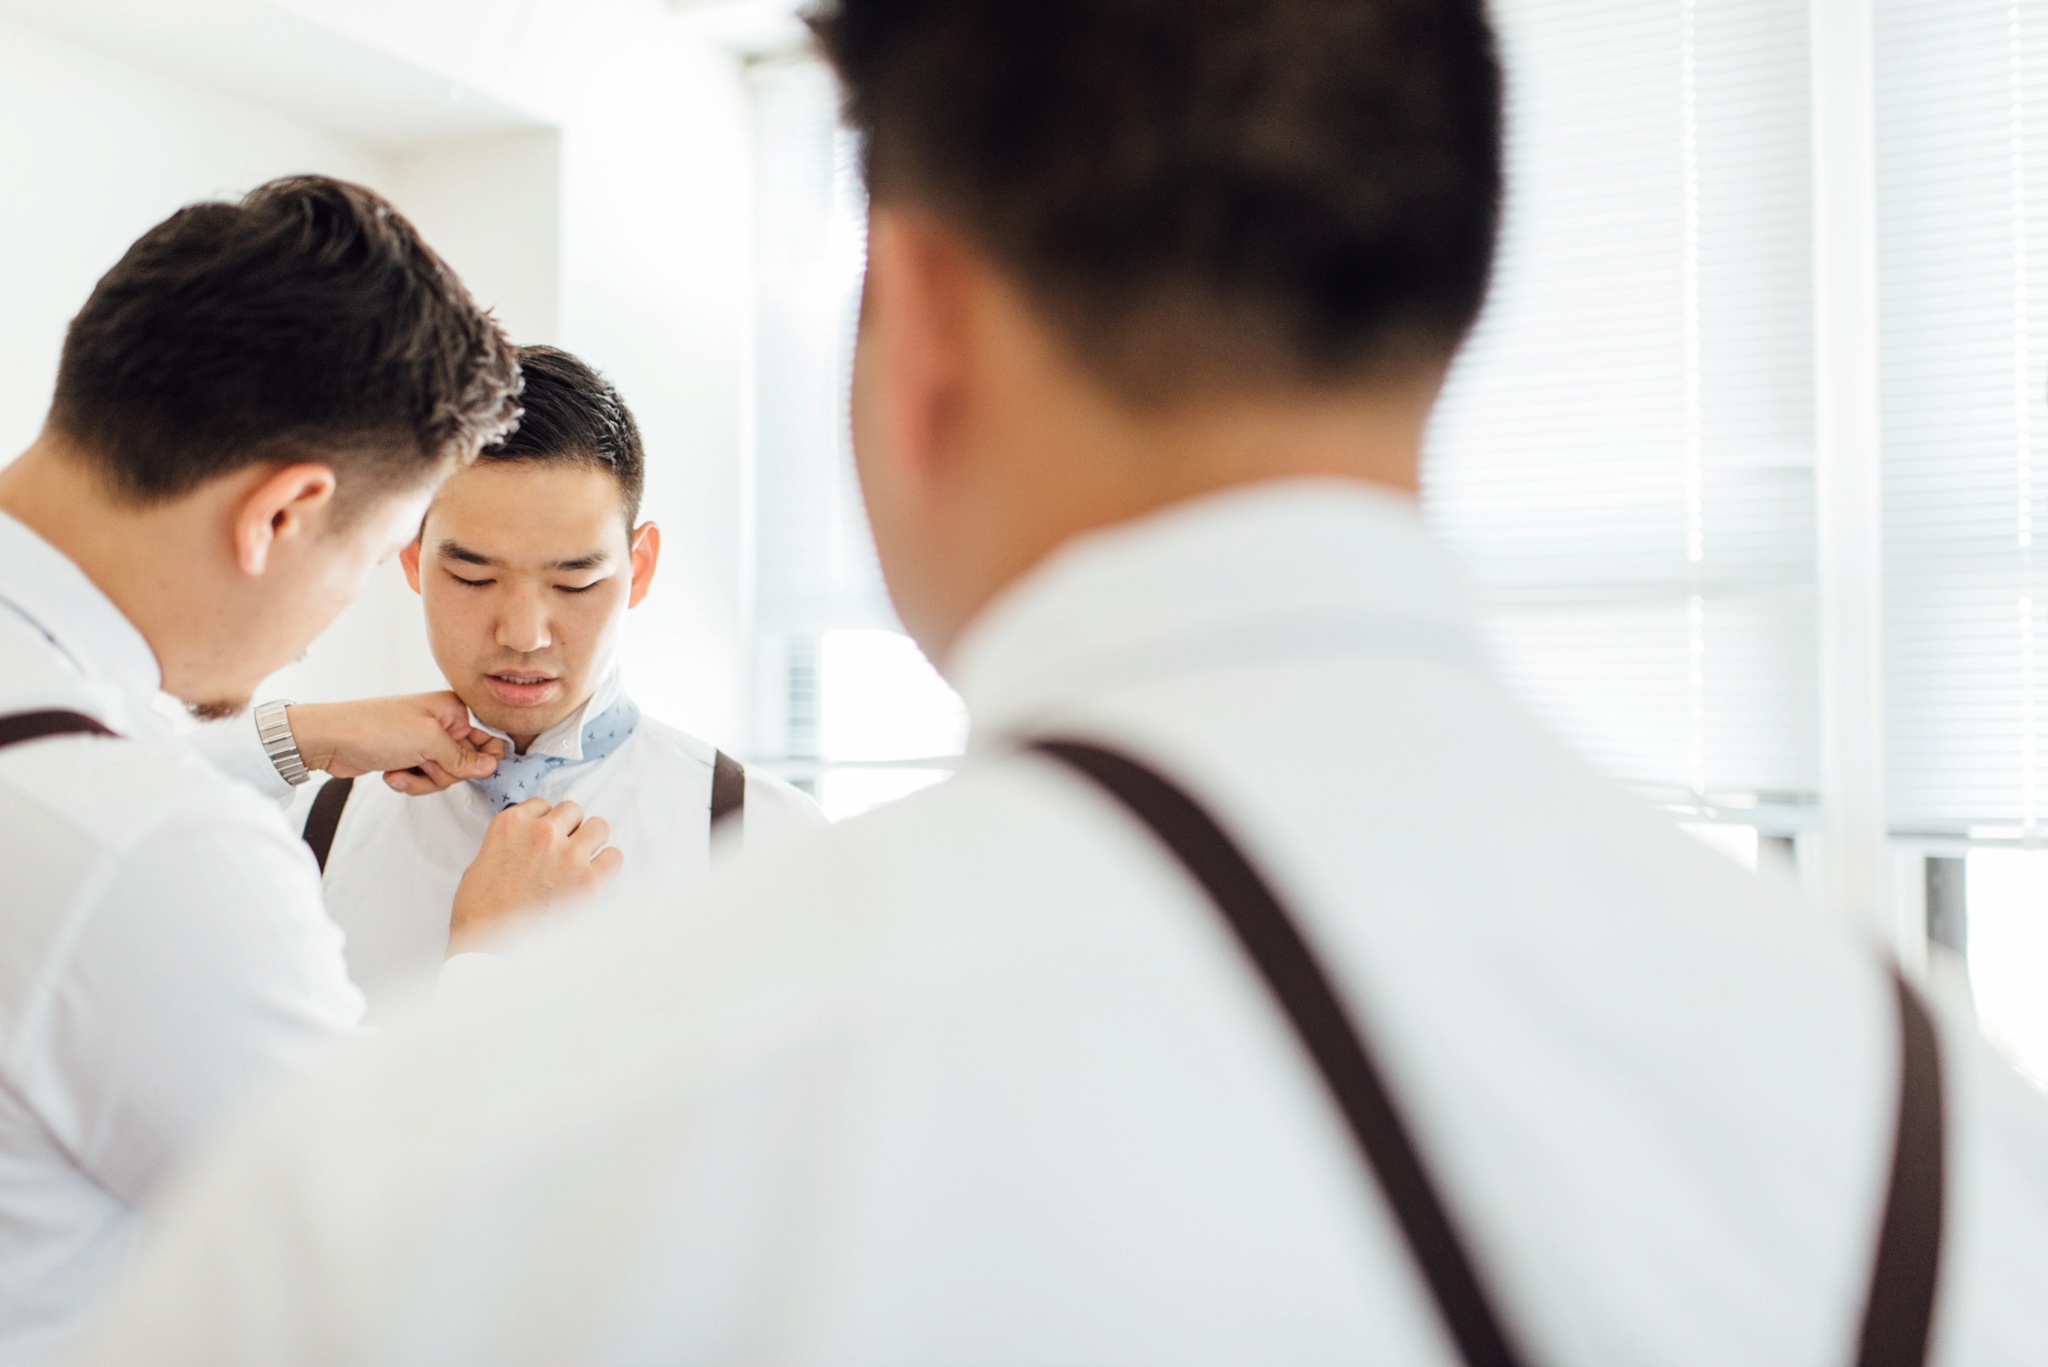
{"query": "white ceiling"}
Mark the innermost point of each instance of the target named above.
(279, 56)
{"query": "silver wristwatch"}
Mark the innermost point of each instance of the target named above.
(276, 734)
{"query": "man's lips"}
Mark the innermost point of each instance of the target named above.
(516, 689)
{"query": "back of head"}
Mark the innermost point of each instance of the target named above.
(573, 415)
(306, 321)
(1199, 193)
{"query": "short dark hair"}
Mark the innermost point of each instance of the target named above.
(573, 415)
(1248, 192)
(306, 320)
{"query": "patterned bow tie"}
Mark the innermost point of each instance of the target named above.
(519, 776)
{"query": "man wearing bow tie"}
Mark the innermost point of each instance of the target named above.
(527, 564)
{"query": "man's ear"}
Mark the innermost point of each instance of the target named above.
(646, 555)
(409, 558)
(918, 308)
(290, 504)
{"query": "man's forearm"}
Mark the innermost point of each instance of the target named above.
(428, 736)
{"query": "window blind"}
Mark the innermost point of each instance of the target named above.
(844, 703)
(1962, 131)
(1623, 457)
(813, 563)
(814, 559)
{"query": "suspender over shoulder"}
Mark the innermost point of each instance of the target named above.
(1900, 1309)
(23, 727)
(323, 819)
(728, 791)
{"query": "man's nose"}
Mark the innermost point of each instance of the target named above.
(523, 624)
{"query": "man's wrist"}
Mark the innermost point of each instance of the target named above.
(274, 730)
(316, 747)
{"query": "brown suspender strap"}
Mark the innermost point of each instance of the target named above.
(28, 726)
(728, 803)
(1900, 1315)
(324, 818)
(728, 791)
(1895, 1329)
(1269, 937)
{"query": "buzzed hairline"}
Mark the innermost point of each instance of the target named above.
(629, 504)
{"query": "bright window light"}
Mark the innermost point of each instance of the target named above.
(1737, 842)
(847, 792)
(2008, 951)
(881, 700)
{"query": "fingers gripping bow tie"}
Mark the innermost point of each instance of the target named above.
(519, 777)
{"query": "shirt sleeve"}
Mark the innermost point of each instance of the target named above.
(203, 968)
(234, 748)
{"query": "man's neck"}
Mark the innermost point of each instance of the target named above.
(54, 491)
(1120, 468)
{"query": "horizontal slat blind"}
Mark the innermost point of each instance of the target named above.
(1624, 455)
(843, 702)
(1962, 111)
(814, 559)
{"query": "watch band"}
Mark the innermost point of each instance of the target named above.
(275, 731)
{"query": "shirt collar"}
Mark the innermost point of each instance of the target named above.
(564, 740)
(52, 594)
(1287, 567)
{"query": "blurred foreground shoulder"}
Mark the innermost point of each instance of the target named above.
(518, 1149)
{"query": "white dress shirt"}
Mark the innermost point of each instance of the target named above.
(980, 1077)
(396, 860)
(163, 950)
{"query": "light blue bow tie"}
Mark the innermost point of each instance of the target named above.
(519, 776)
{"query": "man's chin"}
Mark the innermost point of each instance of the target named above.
(513, 721)
(217, 710)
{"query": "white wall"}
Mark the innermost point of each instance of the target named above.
(492, 205)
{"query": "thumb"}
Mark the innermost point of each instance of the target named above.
(449, 710)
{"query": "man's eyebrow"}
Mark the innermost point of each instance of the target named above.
(455, 550)
(450, 550)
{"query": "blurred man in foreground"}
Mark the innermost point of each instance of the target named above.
(1431, 1047)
